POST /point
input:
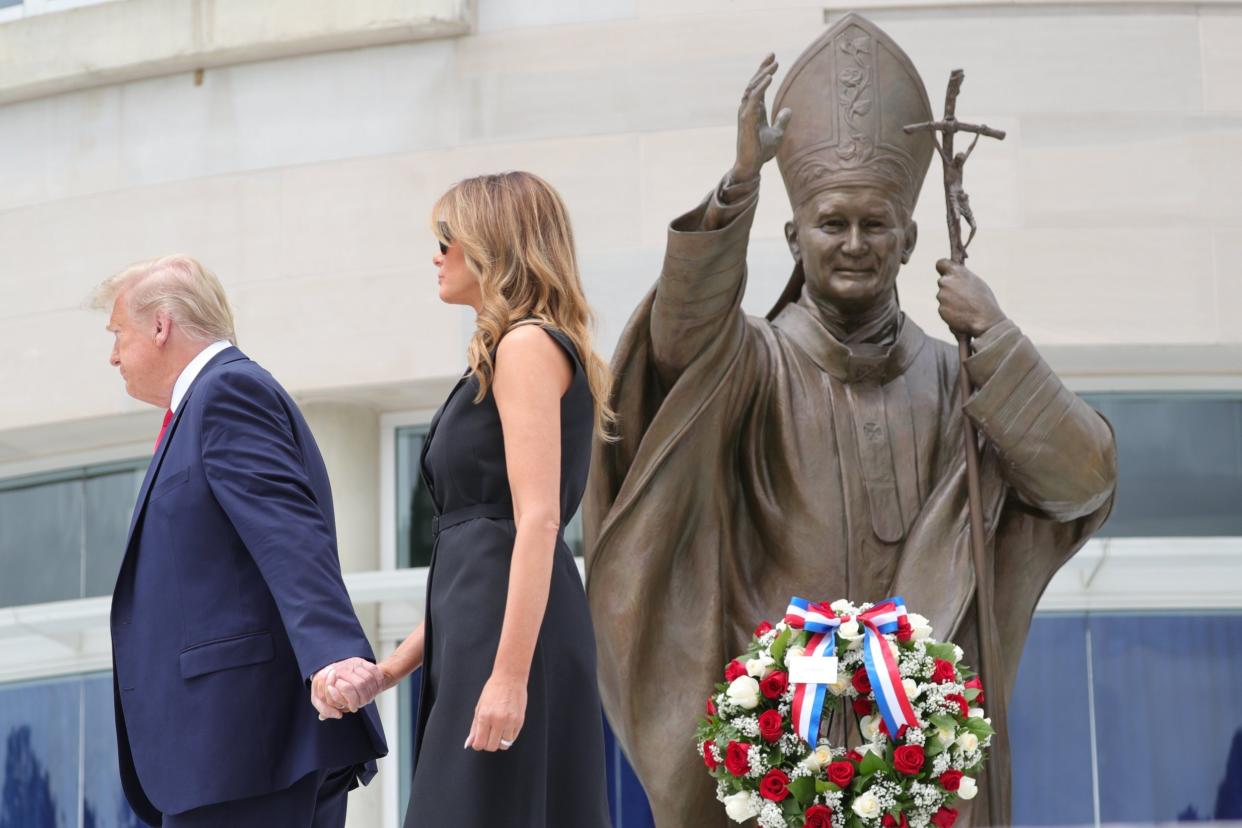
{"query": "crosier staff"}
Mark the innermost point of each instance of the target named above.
(957, 206)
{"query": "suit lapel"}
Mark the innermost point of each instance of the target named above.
(225, 356)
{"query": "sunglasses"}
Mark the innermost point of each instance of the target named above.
(444, 233)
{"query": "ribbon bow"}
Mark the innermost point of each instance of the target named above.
(819, 619)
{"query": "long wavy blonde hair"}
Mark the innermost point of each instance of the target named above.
(515, 235)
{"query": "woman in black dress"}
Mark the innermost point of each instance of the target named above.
(507, 647)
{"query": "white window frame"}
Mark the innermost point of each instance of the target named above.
(395, 618)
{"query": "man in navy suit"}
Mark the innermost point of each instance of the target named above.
(230, 601)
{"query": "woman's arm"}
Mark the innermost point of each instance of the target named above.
(532, 373)
(404, 660)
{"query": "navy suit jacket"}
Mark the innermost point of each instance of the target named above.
(229, 599)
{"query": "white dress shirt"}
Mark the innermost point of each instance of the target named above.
(192, 370)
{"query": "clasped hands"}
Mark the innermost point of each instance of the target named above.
(347, 687)
(350, 685)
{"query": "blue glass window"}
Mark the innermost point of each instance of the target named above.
(58, 748)
(1179, 461)
(62, 535)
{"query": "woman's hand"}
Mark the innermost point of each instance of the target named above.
(499, 715)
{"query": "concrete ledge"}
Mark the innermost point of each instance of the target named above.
(125, 41)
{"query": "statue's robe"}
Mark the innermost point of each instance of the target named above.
(762, 460)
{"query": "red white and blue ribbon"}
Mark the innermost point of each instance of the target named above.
(888, 616)
(808, 699)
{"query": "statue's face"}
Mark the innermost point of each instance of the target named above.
(851, 243)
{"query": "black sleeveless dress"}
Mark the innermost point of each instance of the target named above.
(553, 776)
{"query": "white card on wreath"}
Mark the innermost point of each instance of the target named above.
(812, 669)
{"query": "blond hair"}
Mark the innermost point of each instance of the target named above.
(181, 287)
(515, 235)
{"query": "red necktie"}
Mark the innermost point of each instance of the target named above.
(168, 415)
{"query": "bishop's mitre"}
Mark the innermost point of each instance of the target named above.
(851, 92)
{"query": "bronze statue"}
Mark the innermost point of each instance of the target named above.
(818, 452)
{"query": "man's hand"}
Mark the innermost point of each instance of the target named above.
(757, 142)
(499, 715)
(346, 686)
(966, 301)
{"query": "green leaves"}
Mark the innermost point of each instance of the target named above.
(870, 764)
(979, 727)
(803, 790)
(781, 644)
(942, 651)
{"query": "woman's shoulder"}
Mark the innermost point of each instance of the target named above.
(537, 347)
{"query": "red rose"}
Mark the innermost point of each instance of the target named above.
(774, 685)
(819, 816)
(889, 822)
(733, 670)
(904, 631)
(771, 725)
(961, 703)
(711, 707)
(763, 628)
(977, 685)
(854, 756)
(951, 780)
(944, 672)
(774, 785)
(860, 681)
(840, 773)
(737, 758)
(863, 707)
(945, 817)
(708, 758)
(908, 759)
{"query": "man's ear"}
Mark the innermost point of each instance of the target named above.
(163, 327)
(791, 238)
(912, 237)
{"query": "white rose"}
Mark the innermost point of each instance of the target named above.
(850, 633)
(744, 692)
(838, 687)
(760, 665)
(794, 652)
(977, 713)
(967, 789)
(870, 726)
(946, 734)
(968, 741)
(957, 654)
(911, 687)
(817, 759)
(867, 806)
(740, 807)
(843, 607)
(920, 626)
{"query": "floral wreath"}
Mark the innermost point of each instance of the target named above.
(763, 739)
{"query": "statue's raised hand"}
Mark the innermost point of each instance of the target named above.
(757, 141)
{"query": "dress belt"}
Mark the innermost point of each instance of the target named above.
(495, 511)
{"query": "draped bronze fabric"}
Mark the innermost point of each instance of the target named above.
(760, 460)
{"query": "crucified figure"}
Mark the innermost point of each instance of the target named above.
(959, 199)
